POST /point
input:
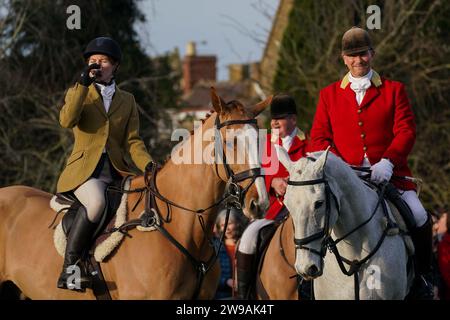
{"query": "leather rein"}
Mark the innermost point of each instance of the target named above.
(327, 241)
(233, 197)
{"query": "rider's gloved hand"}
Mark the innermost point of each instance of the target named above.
(381, 171)
(148, 167)
(85, 77)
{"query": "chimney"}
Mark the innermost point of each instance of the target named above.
(197, 67)
(238, 72)
(190, 49)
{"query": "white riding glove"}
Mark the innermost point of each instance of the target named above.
(381, 171)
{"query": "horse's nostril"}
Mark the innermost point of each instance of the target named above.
(313, 271)
(253, 205)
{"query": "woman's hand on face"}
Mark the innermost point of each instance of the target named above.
(86, 78)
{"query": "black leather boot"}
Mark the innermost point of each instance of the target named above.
(79, 239)
(245, 274)
(422, 288)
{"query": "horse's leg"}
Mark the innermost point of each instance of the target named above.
(276, 273)
(29, 258)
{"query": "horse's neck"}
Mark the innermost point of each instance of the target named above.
(193, 186)
(357, 203)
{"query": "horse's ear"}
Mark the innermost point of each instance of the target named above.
(322, 160)
(217, 102)
(283, 156)
(258, 108)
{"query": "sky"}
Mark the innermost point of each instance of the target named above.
(233, 30)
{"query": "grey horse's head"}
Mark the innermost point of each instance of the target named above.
(307, 204)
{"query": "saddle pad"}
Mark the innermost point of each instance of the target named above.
(105, 244)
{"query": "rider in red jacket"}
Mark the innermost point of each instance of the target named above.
(276, 182)
(367, 121)
(284, 125)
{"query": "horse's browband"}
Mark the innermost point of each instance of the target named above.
(231, 122)
(307, 182)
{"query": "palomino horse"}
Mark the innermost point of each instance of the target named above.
(327, 201)
(148, 266)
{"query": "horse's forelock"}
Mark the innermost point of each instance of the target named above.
(235, 105)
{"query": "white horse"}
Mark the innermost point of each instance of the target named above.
(327, 201)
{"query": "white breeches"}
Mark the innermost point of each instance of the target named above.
(419, 212)
(91, 194)
(250, 236)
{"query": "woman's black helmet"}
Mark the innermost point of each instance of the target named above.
(103, 45)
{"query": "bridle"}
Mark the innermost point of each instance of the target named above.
(325, 233)
(233, 197)
(327, 241)
(236, 192)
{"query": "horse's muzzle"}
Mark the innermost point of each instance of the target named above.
(311, 273)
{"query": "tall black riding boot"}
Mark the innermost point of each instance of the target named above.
(245, 274)
(422, 287)
(79, 239)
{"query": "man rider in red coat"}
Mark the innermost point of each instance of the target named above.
(285, 133)
(367, 121)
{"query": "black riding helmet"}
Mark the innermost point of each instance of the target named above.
(104, 45)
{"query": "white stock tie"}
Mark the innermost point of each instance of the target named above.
(107, 93)
(360, 85)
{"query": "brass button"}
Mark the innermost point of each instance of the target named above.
(359, 110)
(363, 135)
(364, 148)
(360, 123)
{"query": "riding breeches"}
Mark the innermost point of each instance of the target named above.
(412, 200)
(91, 194)
(250, 236)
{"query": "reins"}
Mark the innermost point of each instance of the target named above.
(233, 198)
(327, 240)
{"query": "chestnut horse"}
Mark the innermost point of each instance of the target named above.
(277, 274)
(148, 266)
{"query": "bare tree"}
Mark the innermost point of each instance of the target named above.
(40, 58)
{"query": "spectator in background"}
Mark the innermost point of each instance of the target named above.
(444, 260)
(237, 222)
(439, 227)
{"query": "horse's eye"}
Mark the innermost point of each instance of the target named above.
(318, 204)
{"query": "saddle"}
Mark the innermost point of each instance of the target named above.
(264, 237)
(114, 214)
(393, 195)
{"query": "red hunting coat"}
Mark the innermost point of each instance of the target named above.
(296, 151)
(382, 126)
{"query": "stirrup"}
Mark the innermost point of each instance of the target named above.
(421, 289)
